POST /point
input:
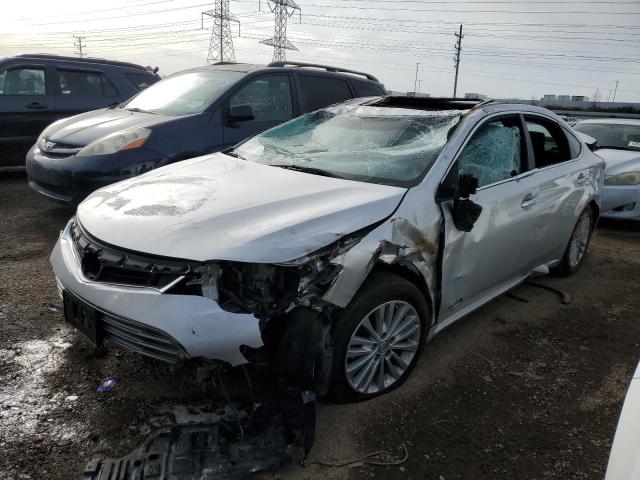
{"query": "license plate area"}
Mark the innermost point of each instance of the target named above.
(83, 317)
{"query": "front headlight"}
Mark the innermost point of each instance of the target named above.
(627, 178)
(116, 142)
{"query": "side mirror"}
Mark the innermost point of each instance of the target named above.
(465, 212)
(240, 113)
(591, 142)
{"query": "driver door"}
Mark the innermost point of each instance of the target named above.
(498, 251)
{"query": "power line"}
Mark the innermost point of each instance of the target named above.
(221, 43)
(459, 37)
(79, 45)
(282, 10)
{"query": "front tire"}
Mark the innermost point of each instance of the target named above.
(378, 338)
(578, 244)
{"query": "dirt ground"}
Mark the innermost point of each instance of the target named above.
(524, 390)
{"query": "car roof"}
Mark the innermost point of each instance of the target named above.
(288, 66)
(85, 60)
(613, 121)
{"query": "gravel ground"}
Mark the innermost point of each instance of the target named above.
(517, 390)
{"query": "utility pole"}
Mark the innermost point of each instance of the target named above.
(419, 87)
(616, 90)
(282, 9)
(221, 43)
(415, 82)
(79, 45)
(459, 37)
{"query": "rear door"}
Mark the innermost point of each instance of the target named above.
(500, 248)
(319, 91)
(563, 180)
(270, 96)
(80, 90)
(26, 108)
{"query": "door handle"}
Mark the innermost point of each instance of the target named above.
(36, 106)
(529, 200)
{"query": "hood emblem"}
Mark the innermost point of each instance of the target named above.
(48, 145)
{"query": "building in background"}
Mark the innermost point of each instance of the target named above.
(475, 95)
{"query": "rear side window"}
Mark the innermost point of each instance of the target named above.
(366, 89)
(319, 92)
(22, 81)
(76, 83)
(140, 80)
(550, 143)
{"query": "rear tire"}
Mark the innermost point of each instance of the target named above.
(578, 245)
(383, 331)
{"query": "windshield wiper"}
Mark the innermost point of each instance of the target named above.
(312, 170)
(615, 147)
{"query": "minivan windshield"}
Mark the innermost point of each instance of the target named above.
(183, 93)
(612, 135)
(391, 146)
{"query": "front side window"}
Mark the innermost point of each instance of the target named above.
(495, 152)
(269, 96)
(549, 142)
(22, 81)
(319, 92)
(76, 83)
(183, 94)
(612, 135)
(391, 146)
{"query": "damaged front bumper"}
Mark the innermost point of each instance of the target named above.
(166, 326)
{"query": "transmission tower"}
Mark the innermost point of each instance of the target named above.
(282, 9)
(221, 44)
(456, 59)
(79, 45)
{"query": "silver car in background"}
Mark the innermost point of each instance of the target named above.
(335, 245)
(619, 145)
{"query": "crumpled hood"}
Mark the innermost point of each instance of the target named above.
(218, 207)
(619, 161)
(88, 127)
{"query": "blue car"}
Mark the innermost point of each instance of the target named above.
(190, 113)
(36, 90)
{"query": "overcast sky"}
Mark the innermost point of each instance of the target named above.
(510, 48)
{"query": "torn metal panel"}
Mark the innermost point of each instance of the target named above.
(208, 445)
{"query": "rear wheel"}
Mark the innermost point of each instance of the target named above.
(378, 338)
(578, 244)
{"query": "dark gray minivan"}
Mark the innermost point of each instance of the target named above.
(36, 90)
(190, 113)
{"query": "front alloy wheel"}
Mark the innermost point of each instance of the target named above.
(378, 337)
(382, 347)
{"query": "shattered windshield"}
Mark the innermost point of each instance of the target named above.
(391, 146)
(612, 135)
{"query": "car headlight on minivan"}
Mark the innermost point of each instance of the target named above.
(626, 178)
(116, 142)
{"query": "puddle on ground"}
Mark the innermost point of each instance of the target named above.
(28, 399)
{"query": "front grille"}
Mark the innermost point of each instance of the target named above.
(58, 150)
(139, 338)
(103, 263)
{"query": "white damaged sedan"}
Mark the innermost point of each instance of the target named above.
(335, 245)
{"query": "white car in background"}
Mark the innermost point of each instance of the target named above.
(619, 145)
(624, 462)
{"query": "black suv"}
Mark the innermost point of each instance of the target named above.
(188, 114)
(36, 90)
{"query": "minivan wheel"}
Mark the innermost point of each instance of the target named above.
(578, 244)
(378, 338)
